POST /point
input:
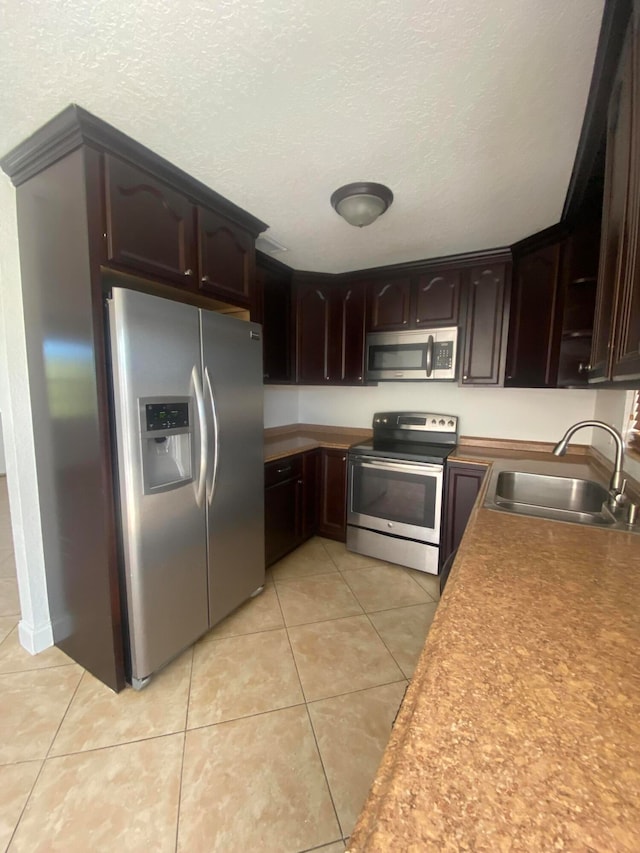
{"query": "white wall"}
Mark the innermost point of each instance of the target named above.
(35, 628)
(281, 406)
(614, 408)
(527, 414)
(3, 464)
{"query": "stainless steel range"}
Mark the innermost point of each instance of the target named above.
(394, 503)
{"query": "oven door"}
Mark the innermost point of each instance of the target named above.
(396, 497)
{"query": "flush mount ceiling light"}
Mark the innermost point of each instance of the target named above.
(361, 204)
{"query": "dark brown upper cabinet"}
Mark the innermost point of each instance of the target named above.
(312, 332)
(149, 226)
(273, 285)
(226, 265)
(390, 304)
(534, 332)
(578, 299)
(330, 320)
(346, 344)
(436, 298)
(615, 353)
(486, 323)
(626, 365)
(428, 298)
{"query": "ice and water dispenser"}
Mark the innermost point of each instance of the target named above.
(166, 437)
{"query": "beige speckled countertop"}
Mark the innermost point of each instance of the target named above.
(521, 727)
(280, 442)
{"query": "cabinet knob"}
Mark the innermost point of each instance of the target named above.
(205, 279)
(344, 458)
(188, 272)
(584, 368)
(465, 378)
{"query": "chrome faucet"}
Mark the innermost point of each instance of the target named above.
(617, 484)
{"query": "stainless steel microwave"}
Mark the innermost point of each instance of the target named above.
(421, 354)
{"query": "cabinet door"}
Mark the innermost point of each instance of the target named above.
(333, 494)
(627, 351)
(276, 326)
(226, 258)
(485, 326)
(310, 493)
(312, 333)
(612, 250)
(436, 299)
(534, 332)
(462, 485)
(150, 227)
(346, 334)
(390, 302)
(280, 519)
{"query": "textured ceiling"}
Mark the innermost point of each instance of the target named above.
(470, 112)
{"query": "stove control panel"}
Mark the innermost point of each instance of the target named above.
(419, 421)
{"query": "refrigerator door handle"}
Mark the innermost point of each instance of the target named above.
(211, 487)
(202, 419)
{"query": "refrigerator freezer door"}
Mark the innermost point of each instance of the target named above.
(232, 360)
(155, 348)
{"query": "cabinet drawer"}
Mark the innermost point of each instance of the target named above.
(282, 469)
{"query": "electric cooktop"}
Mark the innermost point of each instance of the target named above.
(412, 436)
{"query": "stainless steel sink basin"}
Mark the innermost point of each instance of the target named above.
(553, 497)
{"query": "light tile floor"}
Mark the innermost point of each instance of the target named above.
(263, 737)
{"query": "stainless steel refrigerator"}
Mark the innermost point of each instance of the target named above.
(188, 402)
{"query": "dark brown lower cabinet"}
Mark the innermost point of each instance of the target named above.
(310, 493)
(282, 506)
(462, 484)
(333, 494)
(291, 500)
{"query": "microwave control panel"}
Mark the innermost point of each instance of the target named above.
(443, 355)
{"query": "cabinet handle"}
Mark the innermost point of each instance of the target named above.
(188, 272)
(205, 279)
(300, 482)
(283, 470)
(584, 368)
(344, 458)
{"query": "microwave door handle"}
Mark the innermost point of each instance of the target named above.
(429, 355)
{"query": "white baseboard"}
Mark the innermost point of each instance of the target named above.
(35, 639)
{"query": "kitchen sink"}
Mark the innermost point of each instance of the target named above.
(553, 497)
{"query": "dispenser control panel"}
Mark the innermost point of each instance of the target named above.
(162, 416)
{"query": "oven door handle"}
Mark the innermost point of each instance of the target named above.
(430, 355)
(418, 467)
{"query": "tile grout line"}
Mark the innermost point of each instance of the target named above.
(184, 748)
(306, 708)
(44, 761)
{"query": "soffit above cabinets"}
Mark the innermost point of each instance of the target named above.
(470, 112)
